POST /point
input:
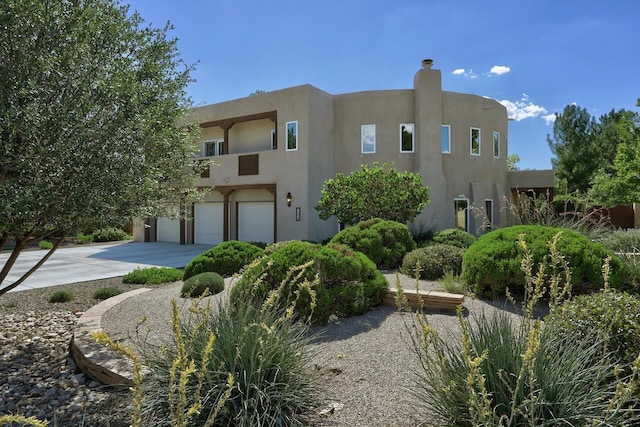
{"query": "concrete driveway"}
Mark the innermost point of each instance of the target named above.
(100, 261)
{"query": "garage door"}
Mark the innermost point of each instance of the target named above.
(168, 230)
(255, 221)
(208, 223)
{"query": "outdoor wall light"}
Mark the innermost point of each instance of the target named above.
(289, 199)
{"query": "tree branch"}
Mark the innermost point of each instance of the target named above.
(14, 256)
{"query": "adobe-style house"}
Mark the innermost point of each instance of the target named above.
(273, 151)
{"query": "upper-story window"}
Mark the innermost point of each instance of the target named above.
(368, 138)
(406, 138)
(446, 139)
(496, 144)
(292, 136)
(213, 147)
(274, 141)
(474, 142)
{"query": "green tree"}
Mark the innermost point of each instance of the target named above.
(620, 184)
(373, 192)
(512, 162)
(92, 121)
(584, 146)
(573, 147)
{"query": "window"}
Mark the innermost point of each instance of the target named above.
(446, 139)
(368, 138)
(461, 220)
(496, 145)
(474, 142)
(292, 136)
(406, 137)
(213, 148)
(274, 141)
(488, 208)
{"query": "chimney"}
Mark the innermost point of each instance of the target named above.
(427, 64)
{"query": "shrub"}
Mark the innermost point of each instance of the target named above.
(110, 234)
(226, 259)
(511, 370)
(611, 318)
(105, 293)
(517, 374)
(336, 280)
(433, 261)
(195, 286)
(61, 296)
(493, 261)
(44, 244)
(384, 242)
(83, 239)
(455, 237)
(422, 236)
(153, 275)
(623, 241)
(256, 373)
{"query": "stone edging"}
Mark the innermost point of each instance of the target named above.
(96, 361)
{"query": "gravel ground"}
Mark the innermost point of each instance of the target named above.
(364, 363)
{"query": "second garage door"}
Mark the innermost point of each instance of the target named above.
(255, 221)
(168, 230)
(208, 223)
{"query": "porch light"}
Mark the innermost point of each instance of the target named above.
(289, 199)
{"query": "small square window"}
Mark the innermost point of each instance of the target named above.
(474, 142)
(368, 139)
(496, 145)
(406, 138)
(292, 136)
(446, 139)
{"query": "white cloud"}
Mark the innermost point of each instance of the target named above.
(500, 69)
(549, 118)
(466, 73)
(525, 109)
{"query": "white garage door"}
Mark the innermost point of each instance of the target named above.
(208, 223)
(255, 221)
(168, 230)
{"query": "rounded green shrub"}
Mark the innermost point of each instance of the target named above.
(110, 234)
(349, 282)
(454, 237)
(45, 244)
(433, 261)
(226, 259)
(61, 296)
(383, 242)
(153, 275)
(493, 262)
(609, 318)
(196, 286)
(105, 293)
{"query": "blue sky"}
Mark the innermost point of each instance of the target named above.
(535, 57)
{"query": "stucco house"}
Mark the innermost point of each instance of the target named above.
(273, 151)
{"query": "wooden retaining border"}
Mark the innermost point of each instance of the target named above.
(428, 300)
(95, 360)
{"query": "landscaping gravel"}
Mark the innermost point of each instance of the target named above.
(364, 364)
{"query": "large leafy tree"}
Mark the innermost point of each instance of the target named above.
(92, 120)
(378, 191)
(620, 183)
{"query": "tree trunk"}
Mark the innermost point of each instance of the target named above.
(14, 256)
